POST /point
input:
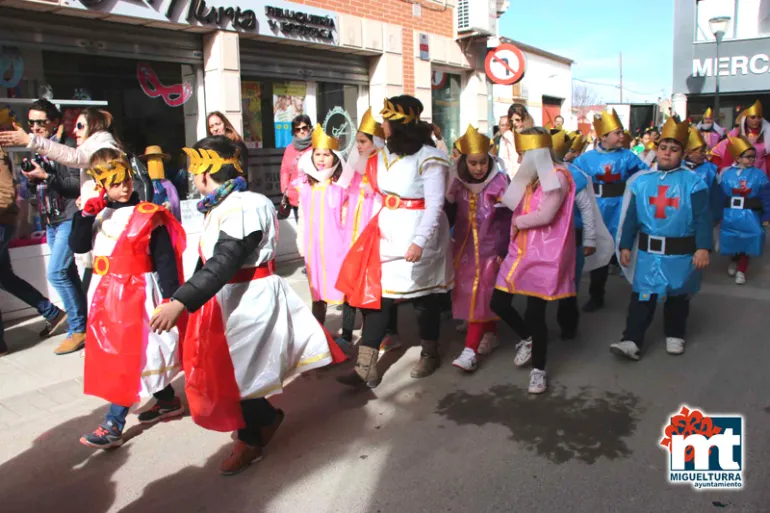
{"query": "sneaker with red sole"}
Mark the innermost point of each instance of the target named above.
(105, 436)
(162, 410)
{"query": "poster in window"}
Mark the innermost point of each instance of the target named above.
(251, 94)
(288, 103)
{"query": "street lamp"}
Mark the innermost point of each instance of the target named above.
(718, 26)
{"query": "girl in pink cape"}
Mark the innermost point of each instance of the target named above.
(480, 240)
(320, 235)
(753, 126)
(540, 263)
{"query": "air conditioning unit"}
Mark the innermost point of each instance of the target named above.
(478, 21)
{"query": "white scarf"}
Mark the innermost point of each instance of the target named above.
(535, 163)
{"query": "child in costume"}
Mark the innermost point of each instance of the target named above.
(609, 167)
(540, 263)
(320, 234)
(480, 239)
(711, 132)
(363, 203)
(137, 249)
(756, 129)
(248, 330)
(744, 195)
(695, 160)
(593, 240)
(663, 243)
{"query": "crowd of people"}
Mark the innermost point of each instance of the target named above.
(398, 221)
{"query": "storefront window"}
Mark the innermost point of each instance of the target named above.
(268, 109)
(445, 100)
(749, 18)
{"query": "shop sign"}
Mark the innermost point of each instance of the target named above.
(756, 64)
(339, 125)
(273, 18)
(505, 64)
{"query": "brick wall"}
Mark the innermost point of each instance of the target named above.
(395, 12)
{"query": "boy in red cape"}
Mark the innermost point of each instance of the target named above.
(249, 332)
(137, 250)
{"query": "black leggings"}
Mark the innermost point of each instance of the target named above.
(257, 413)
(376, 322)
(349, 321)
(533, 325)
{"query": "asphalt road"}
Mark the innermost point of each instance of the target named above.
(448, 443)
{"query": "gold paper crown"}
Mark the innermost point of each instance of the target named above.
(578, 142)
(531, 142)
(677, 131)
(754, 110)
(561, 143)
(709, 113)
(650, 146)
(110, 173)
(321, 141)
(370, 126)
(694, 140)
(393, 112)
(738, 145)
(607, 122)
(473, 142)
(209, 161)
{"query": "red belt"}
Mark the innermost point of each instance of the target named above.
(393, 202)
(247, 274)
(129, 264)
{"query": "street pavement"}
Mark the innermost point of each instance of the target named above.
(447, 443)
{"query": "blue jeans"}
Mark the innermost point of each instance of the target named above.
(63, 275)
(117, 414)
(18, 287)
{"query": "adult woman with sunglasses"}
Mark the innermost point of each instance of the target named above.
(301, 128)
(218, 124)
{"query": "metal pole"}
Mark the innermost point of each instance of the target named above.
(716, 70)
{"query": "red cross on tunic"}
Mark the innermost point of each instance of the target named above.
(661, 202)
(608, 176)
(742, 190)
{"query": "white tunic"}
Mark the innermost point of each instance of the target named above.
(271, 334)
(161, 355)
(419, 176)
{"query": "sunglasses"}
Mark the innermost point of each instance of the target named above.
(303, 128)
(80, 126)
(38, 122)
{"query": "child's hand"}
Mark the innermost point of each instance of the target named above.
(94, 206)
(625, 257)
(165, 316)
(588, 251)
(413, 254)
(701, 259)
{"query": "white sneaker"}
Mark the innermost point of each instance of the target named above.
(523, 353)
(537, 381)
(467, 360)
(740, 278)
(625, 348)
(674, 345)
(489, 343)
(462, 327)
(732, 268)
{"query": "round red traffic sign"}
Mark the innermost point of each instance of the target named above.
(505, 64)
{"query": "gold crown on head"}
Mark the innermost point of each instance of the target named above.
(321, 141)
(694, 140)
(738, 145)
(579, 142)
(472, 142)
(110, 173)
(709, 113)
(393, 112)
(677, 131)
(754, 110)
(561, 143)
(531, 142)
(607, 122)
(370, 126)
(209, 161)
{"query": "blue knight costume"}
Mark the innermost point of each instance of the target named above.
(707, 171)
(665, 220)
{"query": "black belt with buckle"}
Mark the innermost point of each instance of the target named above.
(739, 202)
(609, 190)
(667, 245)
(578, 237)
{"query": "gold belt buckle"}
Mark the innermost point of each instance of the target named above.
(392, 201)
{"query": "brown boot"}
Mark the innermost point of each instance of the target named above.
(242, 456)
(366, 369)
(74, 342)
(267, 432)
(429, 360)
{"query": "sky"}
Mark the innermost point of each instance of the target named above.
(593, 33)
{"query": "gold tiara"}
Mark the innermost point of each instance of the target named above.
(370, 126)
(393, 112)
(531, 142)
(321, 141)
(473, 142)
(209, 161)
(110, 173)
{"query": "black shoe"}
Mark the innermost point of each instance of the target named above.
(162, 410)
(105, 436)
(54, 324)
(593, 305)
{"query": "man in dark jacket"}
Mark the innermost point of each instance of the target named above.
(57, 187)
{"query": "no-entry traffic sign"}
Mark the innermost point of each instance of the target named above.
(505, 64)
